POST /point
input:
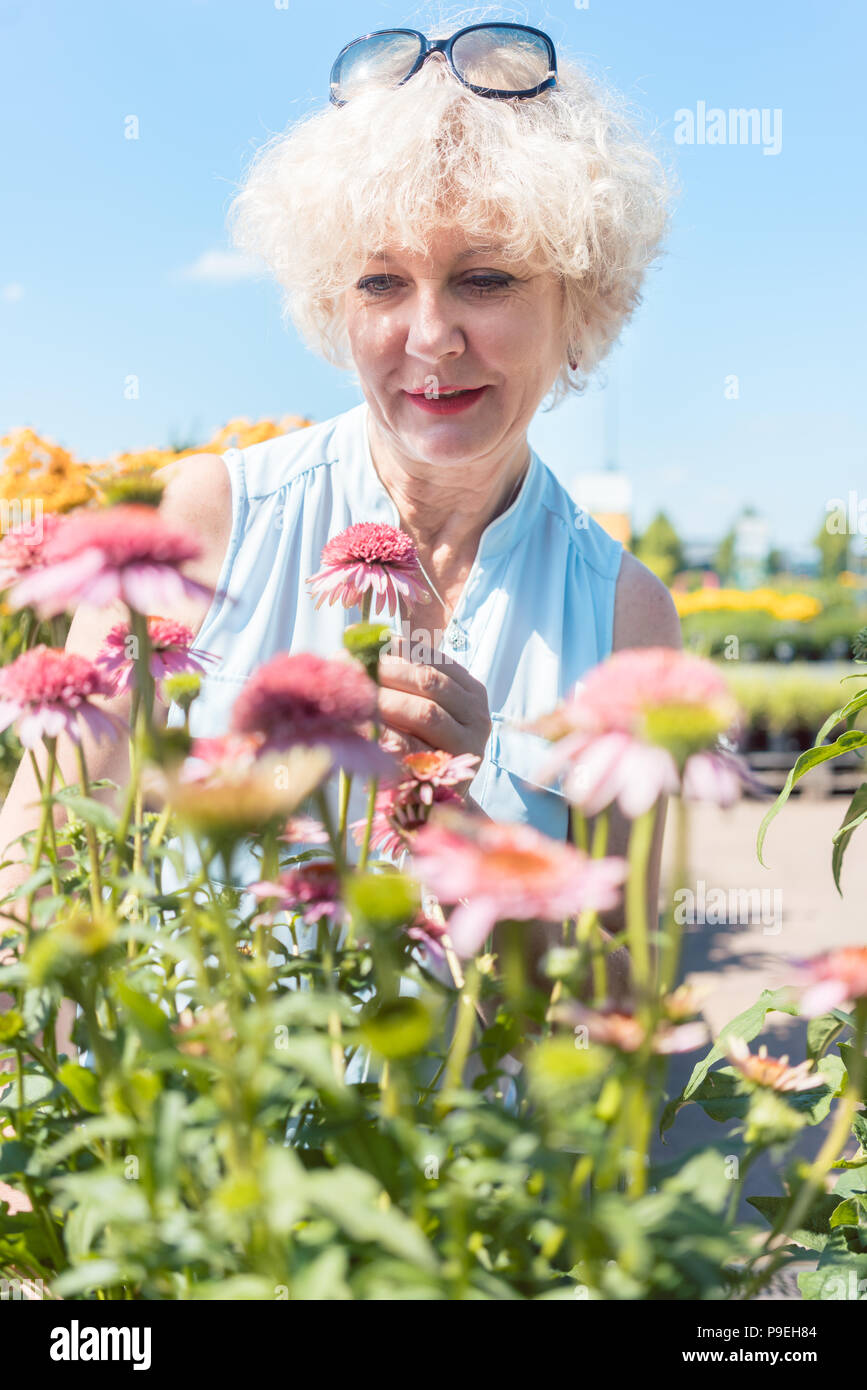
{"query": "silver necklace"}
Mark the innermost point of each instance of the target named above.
(455, 634)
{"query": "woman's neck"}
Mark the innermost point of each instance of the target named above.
(444, 514)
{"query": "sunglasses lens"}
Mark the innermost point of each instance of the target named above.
(502, 60)
(382, 60)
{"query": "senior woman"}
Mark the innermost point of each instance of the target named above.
(466, 224)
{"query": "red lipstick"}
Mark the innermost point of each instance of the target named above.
(442, 404)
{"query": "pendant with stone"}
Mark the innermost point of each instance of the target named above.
(456, 636)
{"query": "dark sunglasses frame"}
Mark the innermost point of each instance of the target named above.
(444, 46)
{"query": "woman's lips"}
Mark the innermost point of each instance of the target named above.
(446, 405)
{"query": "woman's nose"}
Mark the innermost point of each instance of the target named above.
(433, 328)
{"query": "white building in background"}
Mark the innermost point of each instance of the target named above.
(752, 548)
(606, 493)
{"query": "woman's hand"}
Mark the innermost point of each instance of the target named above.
(423, 707)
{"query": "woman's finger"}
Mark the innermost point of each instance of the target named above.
(425, 719)
(431, 683)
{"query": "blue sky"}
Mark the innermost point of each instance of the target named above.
(108, 264)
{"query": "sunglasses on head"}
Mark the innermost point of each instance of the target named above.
(493, 60)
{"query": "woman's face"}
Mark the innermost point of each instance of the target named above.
(462, 317)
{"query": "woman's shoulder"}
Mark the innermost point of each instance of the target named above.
(597, 549)
(197, 497)
(267, 467)
(644, 611)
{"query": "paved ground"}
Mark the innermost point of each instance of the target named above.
(736, 962)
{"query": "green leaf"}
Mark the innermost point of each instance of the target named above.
(90, 811)
(398, 1028)
(846, 711)
(813, 1231)
(352, 1198)
(38, 1088)
(821, 1032)
(382, 900)
(83, 1135)
(14, 1157)
(82, 1084)
(151, 1021)
(855, 814)
(746, 1026)
(852, 1211)
(812, 758)
(88, 1276)
(849, 1056)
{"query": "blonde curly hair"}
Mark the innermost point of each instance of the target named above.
(565, 181)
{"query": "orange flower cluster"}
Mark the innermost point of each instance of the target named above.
(37, 468)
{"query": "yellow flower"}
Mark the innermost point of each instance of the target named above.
(794, 607)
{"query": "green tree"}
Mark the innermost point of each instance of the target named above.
(724, 556)
(832, 542)
(660, 548)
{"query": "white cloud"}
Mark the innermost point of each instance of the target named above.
(221, 268)
(12, 292)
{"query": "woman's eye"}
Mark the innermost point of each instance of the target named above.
(375, 284)
(487, 284)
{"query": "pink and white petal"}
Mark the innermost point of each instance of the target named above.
(470, 924)
(45, 722)
(686, 1037)
(101, 723)
(596, 776)
(360, 756)
(10, 710)
(821, 997)
(56, 587)
(708, 777)
(647, 773)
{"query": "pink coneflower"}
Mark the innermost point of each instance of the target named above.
(437, 769)
(126, 552)
(313, 700)
(399, 812)
(304, 830)
(772, 1072)
(313, 890)
(172, 653)
(230, 787)
(508, 872)
(643, 724)
(834, 978)
(21, 551)
(369, 557)
(619, 1028)
(428, 934)
(224, 755)
(684, 1002)
(49, 692)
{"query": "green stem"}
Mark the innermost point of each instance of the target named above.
(837, 1136)
(461, 1038)
(640, 841)
(90, 832)
(45, 816)
(345, 787)
(328, 821)
(670, 955)
(368, 825)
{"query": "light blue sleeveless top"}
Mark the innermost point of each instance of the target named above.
(537, 610)
(537, 607)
